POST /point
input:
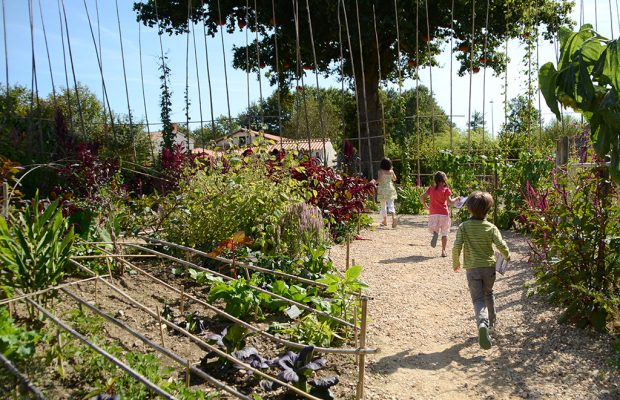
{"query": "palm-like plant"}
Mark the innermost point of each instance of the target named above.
(35, 246)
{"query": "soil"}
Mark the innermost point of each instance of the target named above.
(421, 319)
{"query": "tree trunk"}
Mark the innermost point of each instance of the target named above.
(371, 138)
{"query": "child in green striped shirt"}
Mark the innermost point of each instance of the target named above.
(475, 237)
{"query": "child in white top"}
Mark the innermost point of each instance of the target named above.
(386, 191)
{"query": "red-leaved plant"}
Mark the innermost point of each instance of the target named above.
(574, 238)
(341, 198)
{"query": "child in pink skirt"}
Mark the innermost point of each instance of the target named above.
(439, 219)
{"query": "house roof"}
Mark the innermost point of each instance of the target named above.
(285, 143)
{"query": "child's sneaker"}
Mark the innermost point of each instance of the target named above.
(483, 336)
(434, 239)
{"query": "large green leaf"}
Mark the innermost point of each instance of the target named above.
(607, 70)
(570, 42)
(547, 78)
(585, 88)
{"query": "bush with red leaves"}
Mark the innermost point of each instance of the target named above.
(340, 197)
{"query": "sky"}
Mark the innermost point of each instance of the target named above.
(17, 48)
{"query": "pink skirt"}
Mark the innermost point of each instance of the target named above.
(439, 223)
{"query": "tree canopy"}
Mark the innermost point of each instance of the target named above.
(341, 39)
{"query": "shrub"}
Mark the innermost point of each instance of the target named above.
(212, 205)
(575, 250)
(34, 249)
(341, 197)
(409, 199)
(301, 227)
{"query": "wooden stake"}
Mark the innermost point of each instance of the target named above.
(61, 367)
(161, 327)
(362, 356)
(187, 373)
(348, 252)
(5, 200)
(181, 305)
(96, 280)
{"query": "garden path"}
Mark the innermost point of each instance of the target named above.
(421, 319)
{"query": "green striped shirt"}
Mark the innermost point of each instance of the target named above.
(476, 238)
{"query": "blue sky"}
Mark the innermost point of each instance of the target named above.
(19, 51)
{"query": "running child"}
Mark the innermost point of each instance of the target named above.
(476, 237)
(386, 192)
(439, 219)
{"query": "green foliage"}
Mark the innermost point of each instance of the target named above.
(17, 344)
(165, 104)
(213, 205)
(512, 180)
(575, 250)
(588, 80)
(301, 228)
(344, 287)
(409, 199)
(240, 299)
(308, 330)
(34, 249)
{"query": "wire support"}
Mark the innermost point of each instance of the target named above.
(173, 356)
(150, 385)
(22, 379)
(197, 340)
(49, 289)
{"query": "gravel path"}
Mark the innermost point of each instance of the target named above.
(421, 319)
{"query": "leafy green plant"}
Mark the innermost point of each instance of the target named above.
(240, 299)
(301, 227)
(231, 339)
(344, 288)
(575, 251)
(409, 199)
(297, 368)
(308, 330)
(34, 249)
(588, 80)
(17, 344)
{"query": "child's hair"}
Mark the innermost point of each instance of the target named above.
(479, 203)
(386, 164)
(440, 177)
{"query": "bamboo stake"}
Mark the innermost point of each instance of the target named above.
(61, 367)
(96, 280)
(362, 356)
(161, 327)
(188, 372)
(5, 200)
(181, 305)
(348, 252)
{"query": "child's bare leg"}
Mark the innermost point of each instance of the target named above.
(444, 242)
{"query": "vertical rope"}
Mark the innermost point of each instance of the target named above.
(451, 72)
(417, 88)
(506, 87)
(258, 74)
(471, 70)
(484, 74)
(100, 53)
(247, 57)
(6, 58)
(430, 72)
(275, 39)
(374, 20)
(617, 17)
(47, 50)
(359, 33)
(540, 124)
(197, 81)
(77, 92)
(318, 89)
(219, 13)
(34, 82)
(187, 102)
(301, 74)
(105, 91)
(528, 40)
(343, 122)
(146, 114)
(204, 31)
(357, 105)
(120, 36)
(64, 58)
(595, 16)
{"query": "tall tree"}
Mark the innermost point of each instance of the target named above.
(423, 26)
